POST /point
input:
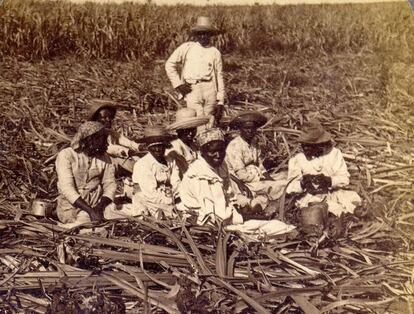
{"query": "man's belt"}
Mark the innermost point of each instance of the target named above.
(193, 82)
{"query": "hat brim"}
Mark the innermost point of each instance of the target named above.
(156, 139)
(97, 108)
(201, 29)
(188, 123)
(259, 119)
(306, 139)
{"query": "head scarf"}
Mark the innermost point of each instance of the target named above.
(86, 129)
(210, 135)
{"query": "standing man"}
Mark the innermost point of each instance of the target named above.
(201, 79)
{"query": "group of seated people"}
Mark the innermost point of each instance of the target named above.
(191, 170)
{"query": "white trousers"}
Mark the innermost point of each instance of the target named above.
(203, 99)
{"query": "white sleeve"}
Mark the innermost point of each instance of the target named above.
(294, 174)
(174, 61)
(340, 177)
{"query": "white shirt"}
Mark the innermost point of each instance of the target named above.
(153, 179)
(209, 192)
(198, 64)
(332, 165)
(82, 176)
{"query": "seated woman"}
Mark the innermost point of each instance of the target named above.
(207, 190)
(153, 178)
(86, 179)
(123, 151)
(243, 158)
(320, 172)
(183, 151)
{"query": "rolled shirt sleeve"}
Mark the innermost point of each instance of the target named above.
(124, 141)
(66, 179)
(119, 145)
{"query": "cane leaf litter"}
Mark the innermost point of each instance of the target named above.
(357, 79)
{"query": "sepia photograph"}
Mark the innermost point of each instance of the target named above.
(207, 156)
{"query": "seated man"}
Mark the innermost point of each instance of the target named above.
(86, 179)
(320, 172)
(153, 177)
(123, 151)
(183, 151)
(207, 190)
(243, 158)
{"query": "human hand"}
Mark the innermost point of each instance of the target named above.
(183, 89)
(96, 214)
(322, 182)
(132, 153)
(218, 112)
(267, 176)
(306, 183)
(244, 189)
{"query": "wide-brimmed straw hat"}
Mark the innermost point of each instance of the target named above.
(250, 116)
(186, 118)
(155, 135)
(95, 105)
(314, 133)
(203, 25)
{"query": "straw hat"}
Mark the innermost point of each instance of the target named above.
(250, 116)
(314, 133)
(156, 134)
(99, 104)
(203, 25)
(186, 118)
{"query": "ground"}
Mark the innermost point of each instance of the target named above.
(363, 99)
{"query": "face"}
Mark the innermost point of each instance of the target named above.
(214, 153)
(96, 144)
(105, 116)
(316, 150)
(203, 38)
(248, 131)
(187, 135)
(158, 151)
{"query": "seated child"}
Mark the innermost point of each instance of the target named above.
(183, 151)
(320, 172)
(243, 158)
(153, 178)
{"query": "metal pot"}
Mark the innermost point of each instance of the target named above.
(314, 215)
(41, 207)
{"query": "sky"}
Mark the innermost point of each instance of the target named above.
(240, 2)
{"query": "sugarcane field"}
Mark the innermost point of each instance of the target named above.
(206, 158)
